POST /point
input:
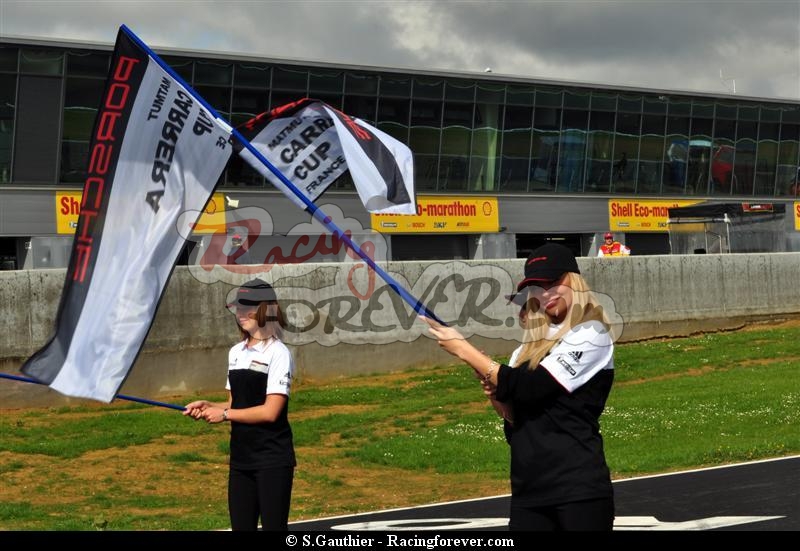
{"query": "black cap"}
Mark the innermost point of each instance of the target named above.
(548, 263)
(253, 293)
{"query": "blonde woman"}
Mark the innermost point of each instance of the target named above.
(551, 396)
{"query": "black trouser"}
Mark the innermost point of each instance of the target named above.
(594, 514)
(264, 492)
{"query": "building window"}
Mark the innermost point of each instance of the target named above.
(182, 66)
(218, 97)
(331, 82)
(544, 162)
(41, 62)
(626, 152)
(572, 150)
(252, 75)
(428, 89)
(456, 144)
(520, 95)
(722, 154)
(516, 152)
(767, 158)
(9, 56)
(677, 147)
(8, 95)
(393, 86)
(247, 103)
(290, 78)
(281, 97)
(393, 114)
(698, 171)
(326, 86)
(82, 96)
(215, 73)
(548, 97)
(36, 136)
(745, 158)
(87, 64)
(788, 169)
(651, 154)
(459, 91)
(603, 102)
(490, 93)
(577, 100)
(655, 105)
(600, 151)
(424, 139)
(361, 84)
(484, 169)
(361, 107)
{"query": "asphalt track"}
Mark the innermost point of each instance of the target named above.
(755, 496)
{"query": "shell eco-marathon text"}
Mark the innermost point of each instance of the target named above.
(394, 540)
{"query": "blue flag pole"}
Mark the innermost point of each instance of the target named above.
(120, 396)
(313, 209)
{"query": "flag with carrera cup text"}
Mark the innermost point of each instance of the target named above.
(156, 153)
(313, 144)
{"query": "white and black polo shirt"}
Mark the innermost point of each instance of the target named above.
(272, 359)
(557, 451)
(253, 373)
(580, 354)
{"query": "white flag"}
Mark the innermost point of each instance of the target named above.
(156, 153)
(313, 144)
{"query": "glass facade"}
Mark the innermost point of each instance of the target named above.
(479, 135)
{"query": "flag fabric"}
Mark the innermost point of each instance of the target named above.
(313, 145)
(156, 153)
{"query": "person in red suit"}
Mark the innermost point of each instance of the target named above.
(612, 248)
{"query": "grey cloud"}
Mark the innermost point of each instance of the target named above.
(677, 45)
(672, 44)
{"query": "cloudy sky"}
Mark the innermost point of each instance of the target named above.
(670, 44)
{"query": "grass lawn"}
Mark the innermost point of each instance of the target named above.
(383, 441)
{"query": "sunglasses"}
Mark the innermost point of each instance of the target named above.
(242, 309)
(521, 298)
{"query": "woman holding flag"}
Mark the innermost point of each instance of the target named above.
(260, 371)
(551, 395)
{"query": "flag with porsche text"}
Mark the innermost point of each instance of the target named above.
(313, 144)
(155, 154)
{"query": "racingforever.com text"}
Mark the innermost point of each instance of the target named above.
(393, 540)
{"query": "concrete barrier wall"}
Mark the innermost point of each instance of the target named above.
(344, 321)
